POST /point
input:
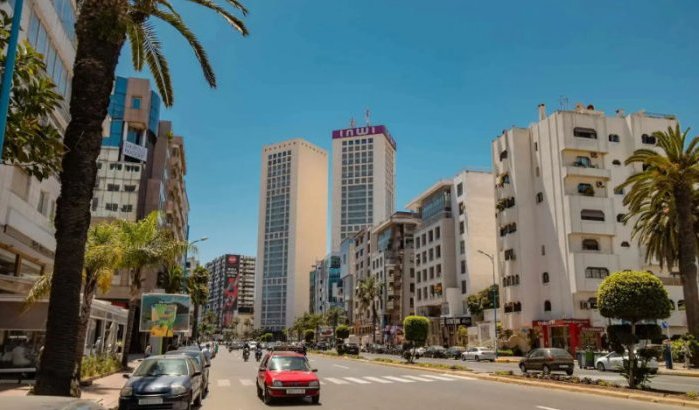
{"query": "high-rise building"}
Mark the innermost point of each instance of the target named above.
(231, 286)
(364, 180)
(347, 276)
(325, 285)
(291, 229)
(560, 220)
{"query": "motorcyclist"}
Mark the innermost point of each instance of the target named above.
(258, 353)
(303, 348)
(246, 351)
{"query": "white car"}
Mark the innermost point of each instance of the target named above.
(615, 362)
(420, 351)
(478, 354)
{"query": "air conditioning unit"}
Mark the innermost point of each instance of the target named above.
(599, 184)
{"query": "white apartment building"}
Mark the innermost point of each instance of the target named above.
(364, 180)
(559, 220)
(291, 231)
(456, 222)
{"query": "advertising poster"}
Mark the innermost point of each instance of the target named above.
(163, 314)
(230, 292)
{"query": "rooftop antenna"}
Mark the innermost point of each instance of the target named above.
(367, 117)
(353, 123)
(563, 102)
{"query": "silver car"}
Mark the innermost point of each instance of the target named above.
(615, 362)
(478, 354)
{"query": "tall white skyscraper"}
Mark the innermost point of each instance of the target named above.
(364, 180)
(291, 231)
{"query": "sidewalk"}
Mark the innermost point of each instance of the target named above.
(104, 391)
(677, 370)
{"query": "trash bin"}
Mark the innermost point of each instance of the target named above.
(589, 358)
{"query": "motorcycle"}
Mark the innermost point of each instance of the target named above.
(258, 355)
(246, 355)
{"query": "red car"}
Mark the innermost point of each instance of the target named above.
(287, 374)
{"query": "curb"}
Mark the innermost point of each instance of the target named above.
(558, 386)
(680, 373)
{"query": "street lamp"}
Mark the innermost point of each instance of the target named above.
(495, 300)
(202, 239)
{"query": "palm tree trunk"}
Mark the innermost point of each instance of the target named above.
(135, 294)
(195, 328)
(85, 308)
(373, 321)
(99, 45)
(687, 258)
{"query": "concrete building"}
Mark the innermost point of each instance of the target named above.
(291, 229)
(347, 277)
(456, 223)
(559, 219)
(364, 179)
(361, 270)
(231, 287)
(325, 285)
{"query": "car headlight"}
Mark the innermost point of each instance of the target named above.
(314, 384)
(178, 389)
(126, 391)
(277, 383)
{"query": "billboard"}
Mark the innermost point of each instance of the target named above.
(135, 151)
(230, 292)
(361, 131)
(163, 314)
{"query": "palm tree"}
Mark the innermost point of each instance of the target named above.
(146, 245)
(103, 255)
(662, 201)
(172, 279)
(101, 29)
(335, 316)
(198, 289)
(368, 290)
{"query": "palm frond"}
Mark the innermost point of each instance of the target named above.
(232, 20)
(40, 290)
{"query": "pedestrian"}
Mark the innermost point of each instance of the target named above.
(148, 350)
(667, 353)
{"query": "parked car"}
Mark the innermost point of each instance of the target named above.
(351, 348)
(322, 346)
(203, 365)
(420, 351)
(615, 362)
(455, 352)
(287, 374)
(547, 360)
(435, 352)
(478, 354)
(162, 381)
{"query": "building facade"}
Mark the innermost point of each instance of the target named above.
(362, 314)
(231, 286)
(325, 285)
(364, 179)
(291, 229)
(560, 220)
(347, 277)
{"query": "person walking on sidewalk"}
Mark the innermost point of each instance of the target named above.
(667, 353)
(148, 350)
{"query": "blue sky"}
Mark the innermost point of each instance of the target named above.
(446, 77)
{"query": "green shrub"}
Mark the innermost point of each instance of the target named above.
(309, 335)
(505, 352)
(101, 365)
(692, 395)
(342, 332)
(416, 329)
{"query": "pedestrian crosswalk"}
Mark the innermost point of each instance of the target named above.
(364, 380)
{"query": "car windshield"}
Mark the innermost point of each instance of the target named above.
(280, 363)
(560, 354)
(162, 367)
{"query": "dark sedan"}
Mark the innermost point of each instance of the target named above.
(199, 358)
(547, 360)
(163, 382)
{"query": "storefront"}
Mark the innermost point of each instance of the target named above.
(450, 329)
(568, 334)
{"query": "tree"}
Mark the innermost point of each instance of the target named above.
(198, 289)
(334, 316)
(103, 255)
(146, 245)
(416, 329)
(209, 324)
(342, 332)
(662, 202)
(633, 296)
(368, 291)
(309, 335)
(483, 300)
(31, 142)
(267, 337)
(102, 28)
(171, 279)
(462, 335)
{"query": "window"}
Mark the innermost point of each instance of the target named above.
(430, 235)
(432, 272)
(583, 162)
(129, 188)
(463, 287)
(539, 197)
(438, 269)
(625, 244)
(536, 146)
(463, 266)
(437, 233)
(509, 254)
(680, 305)
(616, 162)
(592, 215)
(503, 155)
(417, 242)
(518, 307)
(95, 203)
(619, 191)
(136, 103)
(648, 139)
(596, 273)
(462, 208)
(586, 189)
(462, 247)
(114, 166)
(431, 254)
(545, 277)
(547, 306)
(613, 138)
(585, 133)
(112, 187)
(620, 217)
(111, 207)
(590, 245)
(543, 250)
(438, 251)
(42, 206)
(459, 189)
(461, 227)
(127, 208)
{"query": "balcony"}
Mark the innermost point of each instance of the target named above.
(576, 204)
(581, 171)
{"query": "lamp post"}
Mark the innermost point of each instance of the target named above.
(202, 239)
(495, 299)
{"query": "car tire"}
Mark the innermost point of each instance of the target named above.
(654, 371)
(523, 368)
(463, 358)
(569, 372)
(266, 398)
(259, 390)
(546, 370)
(315, 399)
(197, 401)
(478, 359)
(600, 367)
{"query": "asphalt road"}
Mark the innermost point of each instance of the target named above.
(351, 385)
(681, 384)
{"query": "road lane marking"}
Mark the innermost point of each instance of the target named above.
(336, 381)
(446, 379)
(356, 380)
(460, 377)
(223, 383)
(247, 382)
(398, 379)
(420, 379)
(322, 383)
(377, 380)
(341, 367)
(545, 408)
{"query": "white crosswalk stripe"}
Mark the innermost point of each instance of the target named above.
(223, 382)
(460, 377)
(398, 379)
(442, 378)
(356, 380)
(418, 378)
(377, 380)
(336, 381)
(247, 382)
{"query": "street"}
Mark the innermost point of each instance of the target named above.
(354, 385)
(661, 382)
